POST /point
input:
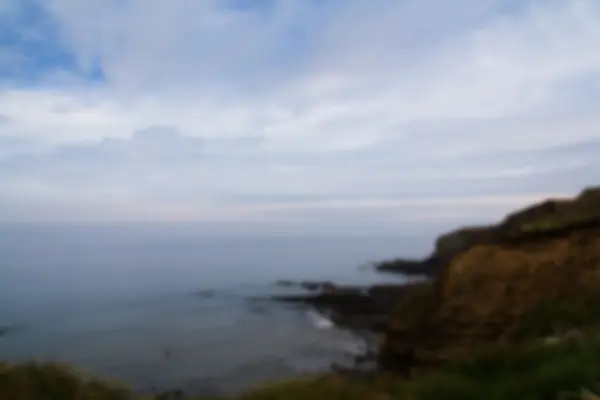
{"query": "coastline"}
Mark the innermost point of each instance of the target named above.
(510, 310)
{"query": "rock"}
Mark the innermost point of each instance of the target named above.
(368, 357)
(314, 286)
(339, 298)
(447, 246)
(328, 287)
(487, 280)
(311, 286)
(356, 307)
(494, 278)
(407, 267)
(550, 216)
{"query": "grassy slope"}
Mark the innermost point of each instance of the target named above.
(534, 372)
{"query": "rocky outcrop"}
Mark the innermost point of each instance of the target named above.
(355, 307)
(446, 247)
(311, 286)
(536, 272)
(543, 219)
(450, 244)
(425, 267)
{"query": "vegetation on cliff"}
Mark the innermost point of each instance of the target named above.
(546, 218)
(522, 278)
(54, 382)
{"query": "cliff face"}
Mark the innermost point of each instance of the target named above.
(538, 271)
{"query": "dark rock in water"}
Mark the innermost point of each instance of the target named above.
(369, 357)
(354, 307)
(333, 297)
(314, 286)
(407, 267)
(311, 286)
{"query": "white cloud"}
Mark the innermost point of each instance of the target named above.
(347, 101)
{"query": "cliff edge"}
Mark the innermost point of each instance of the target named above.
(535, 275)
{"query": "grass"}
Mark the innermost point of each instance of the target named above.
(555, 317)
(532, 372)
(521, 369)
(552, 224)
(33, 381)
(539, 372)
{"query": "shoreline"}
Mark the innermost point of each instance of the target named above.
(509, 309)
(362, 310)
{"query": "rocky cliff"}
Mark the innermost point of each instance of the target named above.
(535, 274)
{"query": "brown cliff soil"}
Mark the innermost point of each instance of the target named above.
(536, 273)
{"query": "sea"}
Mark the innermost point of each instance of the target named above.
(163, 308)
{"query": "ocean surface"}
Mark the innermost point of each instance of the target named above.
(163, 308)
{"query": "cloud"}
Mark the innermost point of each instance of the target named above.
(272, 111)
(161, 174)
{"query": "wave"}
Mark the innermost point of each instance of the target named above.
(319, 321)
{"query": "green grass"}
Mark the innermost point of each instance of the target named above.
(54, 382)
(552, 224)
(535, 373)
(554, 317)
(532, 372)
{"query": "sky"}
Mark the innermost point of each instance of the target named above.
(323, 115)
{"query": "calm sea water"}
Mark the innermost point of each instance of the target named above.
(163, 308)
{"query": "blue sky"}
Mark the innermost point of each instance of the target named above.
(295, 115)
